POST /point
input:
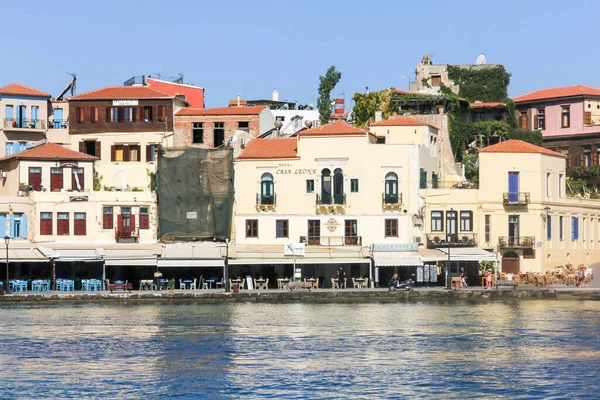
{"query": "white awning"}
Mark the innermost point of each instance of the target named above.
(429, 255)
(22, 255)
(141, 257)
(397, 258)
(299, 260)
(468, 254)
(72, 255)
(184, 262)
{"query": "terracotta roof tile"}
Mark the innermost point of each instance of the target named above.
(234, 103)
(251, 110)
(270, 148)
(22, 90)
(401, 121)
(519, 146)
(50, 151)
(566, 91)
(123, 92)
(483, 104)
(335, 128)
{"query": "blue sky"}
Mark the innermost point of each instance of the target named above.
(229, 47)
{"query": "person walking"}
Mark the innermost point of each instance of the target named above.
(488, 279)
(463, 277)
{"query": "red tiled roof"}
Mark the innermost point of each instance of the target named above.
(234, 103)
(335, 128)
(270, 148)
(519, 146)
(22, 90)
(251, 110)
(401, 121)
(123, 92)
(566, 91)
(483, 104)
(50, 151)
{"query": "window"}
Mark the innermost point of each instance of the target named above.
(125, 152)
(565, 152)
(94, 114)
(280, 118)
(585, 158)
(218, 134)
(436, 80)
(354, 185)
(244, 126)
(56, 179)
(540, 120)
(58, 118)
(162, 113)
(338, 187)
(282, 228)
(391, 228)
(314, 232)
(528, 253)
(488, 226)
(548, 227)
(478, 116)
(62, 223)
(351, 232)
(46, 223)
(134, 152)
(197, 132)
(310, 186)
(35, 178)
(423, 179)
(147, 113)
(128, 111)
(380, 140)
(113, 114)
(523, 120)
(547, 184)
(560, 228)
(391, 188)
(151, 150)
(565, 119)
(588, 117)
(77, 181)
(267, 189)
(437, 221)
(79, 225)
(18, 226)
(125, 221)
(91, 147)
(466, 221)
(560, 180)
(80, 113)
(574, 228)
(325, 186)
(107, 218)
(251, 228)
(144, 218)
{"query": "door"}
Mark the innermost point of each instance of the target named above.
(21, 116)
(513, 230)
(325, 186)
(34, 114)
(511, 263)
(351, 232)
(314, 232)
(513, 187)
(338, 187)
(58, 118)
(267, 189)
(451, 222)
(391, 188)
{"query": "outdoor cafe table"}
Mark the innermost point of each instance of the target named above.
(311, 280)
(210, 282)
(188, 283)
(18, 286)
(40, 285)
(360, 281)
(145, 284)
(260, 283)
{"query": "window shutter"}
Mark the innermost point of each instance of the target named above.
(125, 152)
(536, 123)
(2, 225)
(82, 147)
(107, 114)
(595, 158)
(148, 153)
(12, 225)
(139, 153)
(569, 160)
(121, 114)
(581, 160)
(133, 114)
(120, 223)
(23, 226)
(141, 111)
(98, 149)
(132, 223)
(588, 117)
(112, 153)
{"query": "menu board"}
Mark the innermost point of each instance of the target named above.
(433, 273)
(419, 274)
(426, 273)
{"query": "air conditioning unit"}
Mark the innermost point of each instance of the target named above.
(417, 239)
(2, 174)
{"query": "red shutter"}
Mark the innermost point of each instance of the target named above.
(120, 223)
(133, 114)
(148, 153)
(107, 114)
(139, 153)
(141, 111)
(594, 158)
(82, 147)
(121, 114)
(98, 149)
(125, 152)
(588, 117)
(112, 153)
(535, 122)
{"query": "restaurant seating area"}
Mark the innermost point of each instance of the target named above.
(564, 274)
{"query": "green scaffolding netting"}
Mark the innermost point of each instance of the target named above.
(195, 194)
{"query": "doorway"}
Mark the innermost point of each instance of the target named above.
(511, 263)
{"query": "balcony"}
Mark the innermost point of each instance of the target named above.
(127, 236)
(331, 240)
(24, 125)
(266, 203)
(391, 202)
(515, 198)
(58, 124)
(335, 204)
(516, 242)
(441, 240)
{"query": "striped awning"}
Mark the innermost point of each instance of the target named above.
(397, 258)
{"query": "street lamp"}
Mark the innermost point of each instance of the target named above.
(226, 269)
(407, 77)
(7, 284)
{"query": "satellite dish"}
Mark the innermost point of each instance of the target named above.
(300, 107)
(481, 60)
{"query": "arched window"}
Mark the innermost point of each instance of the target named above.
(267, 189)
(325, 186)
(391, 188)
(338, 186)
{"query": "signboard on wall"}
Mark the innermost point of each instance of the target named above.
(294, 249)
(191, 215)
(125, 102)
(395, 247)
(69, 164)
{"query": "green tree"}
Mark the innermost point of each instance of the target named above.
(326, 85)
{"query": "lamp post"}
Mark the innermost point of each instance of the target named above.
(448, 239)
(407, 77)
(226, 269)
(7, 284)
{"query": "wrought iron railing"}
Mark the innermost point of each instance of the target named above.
(338, 199)
(331, 240)
(516, 198)
(24, 124)
(126, 233)
(266, 200)
(387, 198)
(441, 240)
(505, 242)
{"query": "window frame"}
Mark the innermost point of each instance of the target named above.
(487, 227)
(391, 227)
(46, 227)
(354, 185)
(144, 219)
(437, 219)
(196, 130)
(79, 224)
(35, 184)
(282, 228)
(57, 179)
(252, 228)
(106, 222)
(465, 220)
(565, 117)
(310, 186)
(62, 229)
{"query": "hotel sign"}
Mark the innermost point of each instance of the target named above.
(286, 169)
(294, 249)
(395, 247)
(78, 198)
(125, 102)
(69, 164)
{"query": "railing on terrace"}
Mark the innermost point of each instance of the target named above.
(507, 242)
(515, 198)
(58, 124)
(441, 240)
(122, 235)
(338, 199)
(266, 200)
(387, 198)
(331, 240)
(24, 124)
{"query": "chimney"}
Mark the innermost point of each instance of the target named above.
(378, 116)
(238, 100)
(275, 95)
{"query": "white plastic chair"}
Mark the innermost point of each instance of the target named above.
(193, 285)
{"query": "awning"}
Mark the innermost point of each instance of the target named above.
(432, 255)
(299, 260)
(76, 255)
(468, 254)
(141, 257)
(184, 262)
(397, 258)
(22, 255)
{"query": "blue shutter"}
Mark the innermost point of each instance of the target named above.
(15, 146)
(34, 113)
(2, 225)
(9, 112)
(12, 226)
(27, 145)
(8, 151)
(58, 117)
(23, 226)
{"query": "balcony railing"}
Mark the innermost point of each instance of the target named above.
(337, 199)
(442, 240)
(126, 235)
(24, 124)
(508, 242)
(515, 198)
(58, 124)
(331, 240)
(266, 200)
(391, 198)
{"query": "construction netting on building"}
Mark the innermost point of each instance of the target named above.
(195, 194)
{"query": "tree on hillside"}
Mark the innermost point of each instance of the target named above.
(326, 85)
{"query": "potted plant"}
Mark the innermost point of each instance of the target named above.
(171, 285)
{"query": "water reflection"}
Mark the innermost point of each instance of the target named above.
(517, 349)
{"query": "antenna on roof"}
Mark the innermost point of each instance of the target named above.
(70, 86)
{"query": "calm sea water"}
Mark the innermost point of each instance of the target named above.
(520, 349)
